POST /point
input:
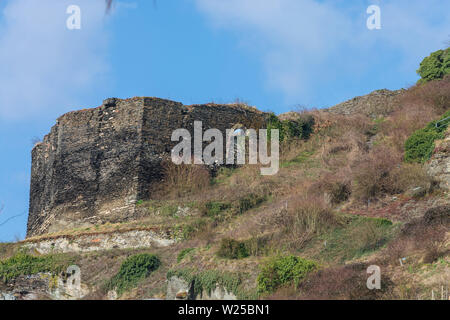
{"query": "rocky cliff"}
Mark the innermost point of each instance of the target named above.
(439, 164)
(95, 164)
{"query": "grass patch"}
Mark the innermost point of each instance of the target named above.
(358, 236)
(223, 174)
(188, 230)
(214, 208)
(25, 264)
(303, 158)
(162, 208)
(283, 270)
(183, 253)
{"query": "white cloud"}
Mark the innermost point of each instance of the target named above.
(43, 65)
(303, 43)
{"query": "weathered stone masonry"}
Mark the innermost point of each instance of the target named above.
(96, 163)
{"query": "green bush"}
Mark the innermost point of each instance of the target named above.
(283, 270)
(214, 208)
(435, 66)
(25, 264)
(133, 269)
(232, 249)
(420, 145)
(197, 225)
(300, 128)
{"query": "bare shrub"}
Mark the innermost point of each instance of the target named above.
(337, 283)
(418, 105)
(371, 172)
(304, 218)
(434, 94)
(406, 176)
(181, 180)
(424, 235)
(336, 188)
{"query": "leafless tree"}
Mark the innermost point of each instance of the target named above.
(108, 5)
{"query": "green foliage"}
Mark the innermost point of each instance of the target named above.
(420, 145)
(232, 249)
(380, 222)
(300, 128)
(25, 264)
(250, 201)
(283, 270)
(134, 269)
(161, 207)
(183, 253)
(197, 225)
(214, 208)
(303, 158)
(435, 66)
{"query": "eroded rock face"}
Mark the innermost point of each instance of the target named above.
(95, 164)
(105, 241)
(45, 286)
(438, 166)
(219, 293)
(180, 289)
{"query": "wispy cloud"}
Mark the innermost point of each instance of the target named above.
(303, 43)
(43, 64)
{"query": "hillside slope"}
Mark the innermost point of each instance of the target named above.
(344, 199)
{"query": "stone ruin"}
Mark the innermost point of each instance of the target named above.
(95, 164)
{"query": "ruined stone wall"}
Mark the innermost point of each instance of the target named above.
(375, 104)
(95, 164)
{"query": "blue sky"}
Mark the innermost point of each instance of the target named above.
(274, 54)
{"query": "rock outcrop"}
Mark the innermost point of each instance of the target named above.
(377, 103)
(132, 239)
(438, 166)
(180, 289)
(46, 286)
(95, 164)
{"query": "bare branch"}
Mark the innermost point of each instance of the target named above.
(11, 218)
(108, 5)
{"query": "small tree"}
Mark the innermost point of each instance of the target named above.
(435, 66)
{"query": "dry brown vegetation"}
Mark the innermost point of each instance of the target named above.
(304, 218)
(418, 105)
(337, 283)
(184, 179)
